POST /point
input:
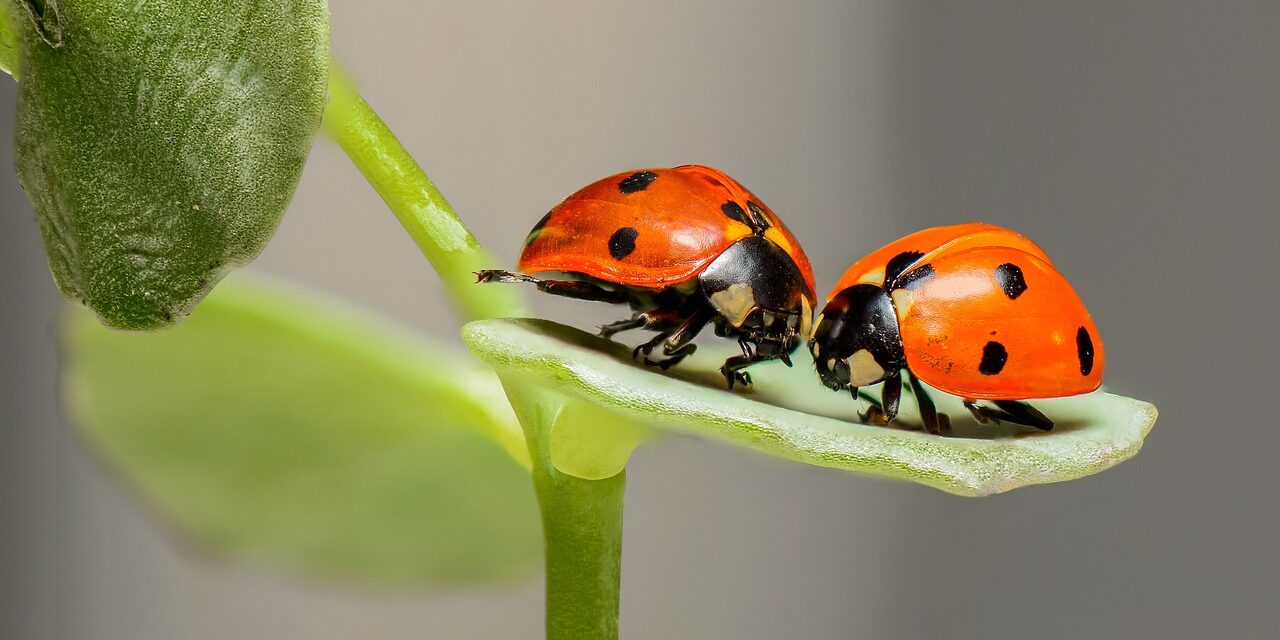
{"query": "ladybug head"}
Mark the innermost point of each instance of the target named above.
(856, 341)
(760, 294)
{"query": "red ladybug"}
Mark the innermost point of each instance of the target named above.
(972, 309)
(683, 247)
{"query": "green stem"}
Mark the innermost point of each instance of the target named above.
(581, 519)
(413, 198)
(582, 526)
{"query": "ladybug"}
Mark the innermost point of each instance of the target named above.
(974, 310)
(683, 247)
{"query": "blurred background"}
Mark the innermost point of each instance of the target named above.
(1136, 141)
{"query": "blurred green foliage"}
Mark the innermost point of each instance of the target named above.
(280, 428)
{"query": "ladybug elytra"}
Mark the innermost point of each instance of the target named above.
(973, 310)
(683, 247)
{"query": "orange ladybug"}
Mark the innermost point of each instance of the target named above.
(683, 247)
(973, 310)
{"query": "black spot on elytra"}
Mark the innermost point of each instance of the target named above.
(537, 230)
(622, 242)
(914, 277)
(638, 181)
(898, 264)
(734, 211)
(993, 358)
(1009, 276)
(1084, 349)
(759, 216)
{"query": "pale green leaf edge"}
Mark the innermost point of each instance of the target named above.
(1108, 429)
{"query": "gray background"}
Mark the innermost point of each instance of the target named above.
(1136, 141)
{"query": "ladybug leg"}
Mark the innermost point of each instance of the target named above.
(664, 320)
(660, 320)
(883, 412)
(1011, 411)
(678, 344)
(567, 288)
(636, 321)
(657, 320)
(1024, 414)
(934, 422)
(976, 411)
(675, 356)
(648, 347)
(733, 367)
(607, 331)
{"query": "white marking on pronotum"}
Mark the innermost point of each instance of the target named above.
(735, 303)
(806, 319)
(902, 300)
(863, 369)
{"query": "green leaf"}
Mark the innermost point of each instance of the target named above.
(160, 142)
(788, 413)
(284, 429)
(10, 50)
